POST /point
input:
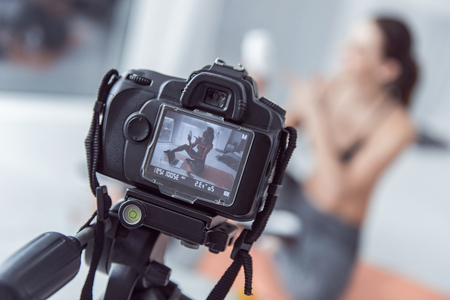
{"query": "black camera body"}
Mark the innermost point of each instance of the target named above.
(207, 143)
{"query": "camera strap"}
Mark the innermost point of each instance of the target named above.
(240, 253)
(92, 145)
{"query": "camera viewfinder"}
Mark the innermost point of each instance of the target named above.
(216, 97)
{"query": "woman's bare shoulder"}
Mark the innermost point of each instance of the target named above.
(398, 128)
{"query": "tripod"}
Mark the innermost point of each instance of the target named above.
(133, 260)
(132, 257)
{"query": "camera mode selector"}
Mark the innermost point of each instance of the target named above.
(272, 105)
(139, 79)
(137, 128)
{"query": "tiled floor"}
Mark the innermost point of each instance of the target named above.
(372, 283)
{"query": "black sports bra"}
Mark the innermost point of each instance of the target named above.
(347, 154)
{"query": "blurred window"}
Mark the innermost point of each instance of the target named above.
(59, 46)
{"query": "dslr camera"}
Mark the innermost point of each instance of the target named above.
(197, 150)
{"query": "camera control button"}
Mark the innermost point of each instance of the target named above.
(139, 79)
(137, 129)
(272, 105)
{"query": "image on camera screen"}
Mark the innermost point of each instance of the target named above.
(193, 157)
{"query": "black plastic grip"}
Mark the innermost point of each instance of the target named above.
(40, 268)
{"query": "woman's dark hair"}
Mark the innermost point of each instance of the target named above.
(210, 133)
(398, 45)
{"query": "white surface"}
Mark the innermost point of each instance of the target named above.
(408, 227)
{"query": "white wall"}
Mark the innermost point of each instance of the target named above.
(171, 36)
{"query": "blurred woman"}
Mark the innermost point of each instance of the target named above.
(358, 124)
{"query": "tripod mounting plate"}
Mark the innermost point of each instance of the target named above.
(181, 221)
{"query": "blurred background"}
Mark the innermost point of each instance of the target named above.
(53, 55)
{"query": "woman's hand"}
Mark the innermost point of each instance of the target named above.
(313, 99)
(304, 100)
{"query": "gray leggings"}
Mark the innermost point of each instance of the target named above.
(316, 265)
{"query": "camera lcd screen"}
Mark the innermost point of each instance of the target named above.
(194, 157)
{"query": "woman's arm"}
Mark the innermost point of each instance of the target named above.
(295, 108)
(306, 109)
(326, 182)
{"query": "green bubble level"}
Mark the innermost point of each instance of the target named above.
(132, 214)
